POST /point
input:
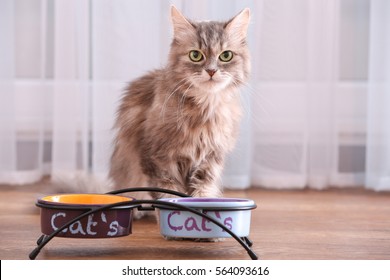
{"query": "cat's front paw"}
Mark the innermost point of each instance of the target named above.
(137, 214)
(210, 191)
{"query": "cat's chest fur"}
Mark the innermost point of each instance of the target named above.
(192, 128)
(185, 140)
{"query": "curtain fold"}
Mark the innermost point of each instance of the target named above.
(8, 164)
(315, 109)
(296, 133)
(70, 89)
(378, 122)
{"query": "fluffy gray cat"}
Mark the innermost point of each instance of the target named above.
(175, 125)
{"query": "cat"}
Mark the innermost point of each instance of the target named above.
(175, 125)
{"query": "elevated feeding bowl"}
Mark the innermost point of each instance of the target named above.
(57, 210)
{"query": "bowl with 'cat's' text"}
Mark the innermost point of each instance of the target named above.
(57, 210)
(233, 213)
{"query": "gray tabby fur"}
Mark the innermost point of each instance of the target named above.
(175, 125)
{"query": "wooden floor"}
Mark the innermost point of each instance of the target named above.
(332, 224)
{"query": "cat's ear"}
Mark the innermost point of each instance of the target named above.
(181, 26)
(237, 27)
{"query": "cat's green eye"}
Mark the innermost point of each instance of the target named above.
(196, 56)
(226, 56)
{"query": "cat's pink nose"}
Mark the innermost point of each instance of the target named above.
(211, 72)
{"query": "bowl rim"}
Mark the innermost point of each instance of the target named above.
(211, 203)
(45, 202)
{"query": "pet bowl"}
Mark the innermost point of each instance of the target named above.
(233, 213)
(57, 210)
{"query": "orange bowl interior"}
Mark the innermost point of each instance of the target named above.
(86, 198)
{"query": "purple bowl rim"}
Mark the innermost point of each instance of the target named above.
(214, 203)
(206, 199)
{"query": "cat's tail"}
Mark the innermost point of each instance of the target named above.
(80, 182)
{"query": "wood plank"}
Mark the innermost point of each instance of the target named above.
(305, 224)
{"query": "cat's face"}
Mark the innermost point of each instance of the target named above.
(210, 56)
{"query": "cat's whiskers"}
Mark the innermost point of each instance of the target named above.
(264, 105)
(181, 104)
(236, 81)
(184, 94)
(175, 90)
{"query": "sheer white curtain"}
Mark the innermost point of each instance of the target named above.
(378, 122)
(64, 64)
(295, 129)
